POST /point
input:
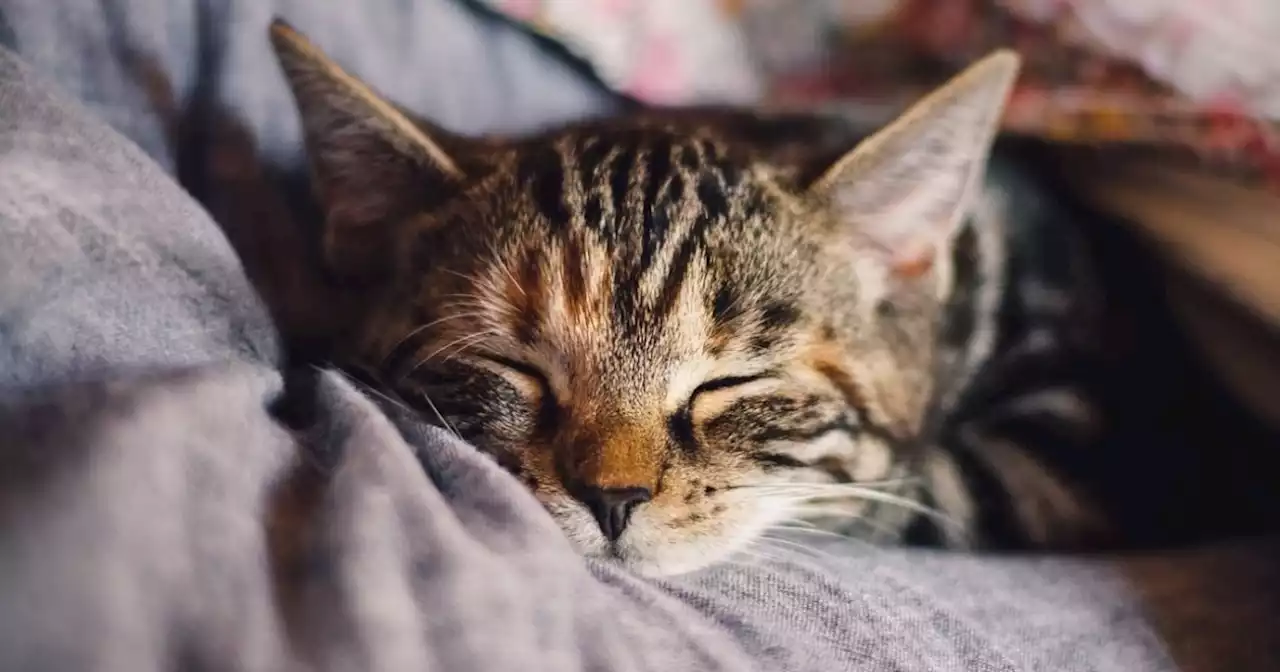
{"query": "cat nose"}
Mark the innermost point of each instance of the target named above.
(612, 507)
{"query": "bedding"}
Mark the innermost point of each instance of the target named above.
(176, 495)
(1188, 80)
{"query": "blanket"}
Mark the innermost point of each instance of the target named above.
(1191, 80)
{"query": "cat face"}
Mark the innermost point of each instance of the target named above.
(675, 333)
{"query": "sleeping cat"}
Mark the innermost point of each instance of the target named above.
(680, 329)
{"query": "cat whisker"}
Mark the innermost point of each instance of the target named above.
(390, 396)
(471, 279)
(421, 328)
(798, 523)
(484, 284)
(794, 546)
(819, 511)
(384, 393)
(935, 515)
(462, 342)
(468, 301)
(440, 416)
(865, 494)
(462, 346)
(831, 536)
(464, 299)
(827, 489)
(499, 260)
(808, 493)
(884, 483)
(754, 552)
(801, 526)
(744, 560)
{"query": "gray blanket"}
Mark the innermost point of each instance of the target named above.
(171, 499)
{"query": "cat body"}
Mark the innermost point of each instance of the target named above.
(680, 329)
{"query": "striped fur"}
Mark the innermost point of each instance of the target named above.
(1022, 363)
(693, 311)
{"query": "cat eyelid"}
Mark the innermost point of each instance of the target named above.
(728, 382)
(698, 411)
(521, 368)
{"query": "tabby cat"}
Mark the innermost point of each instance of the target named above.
(677, 330)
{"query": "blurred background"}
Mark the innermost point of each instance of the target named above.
(1191, 76)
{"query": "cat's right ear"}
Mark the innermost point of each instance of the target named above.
(903, 193)
(371, 164)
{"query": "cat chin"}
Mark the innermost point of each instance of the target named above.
(676, 558)
(651, 548)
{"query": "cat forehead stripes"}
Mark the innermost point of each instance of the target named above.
(668, 209)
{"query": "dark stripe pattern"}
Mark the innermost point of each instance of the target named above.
(652, 197)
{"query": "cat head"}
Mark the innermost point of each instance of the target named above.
(675, 333)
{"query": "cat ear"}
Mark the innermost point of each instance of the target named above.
(904, 191)
(370, 162)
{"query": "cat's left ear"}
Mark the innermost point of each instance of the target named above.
(903, 193)
(371, 164)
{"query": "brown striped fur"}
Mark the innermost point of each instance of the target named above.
(662, 303)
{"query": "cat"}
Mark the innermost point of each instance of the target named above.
(680, 329)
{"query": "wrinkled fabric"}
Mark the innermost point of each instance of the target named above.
(171, 497)
(195, 84)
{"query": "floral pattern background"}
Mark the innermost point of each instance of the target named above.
(1194, 78)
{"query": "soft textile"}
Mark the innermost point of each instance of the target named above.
(1197, 77)
(167, 501)
(194, 83)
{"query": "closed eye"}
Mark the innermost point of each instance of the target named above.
(692, 414)
(528, 372)
(725, 383)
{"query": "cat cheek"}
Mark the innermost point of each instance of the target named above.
(532, 466)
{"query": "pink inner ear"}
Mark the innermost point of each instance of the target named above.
(913, 266)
